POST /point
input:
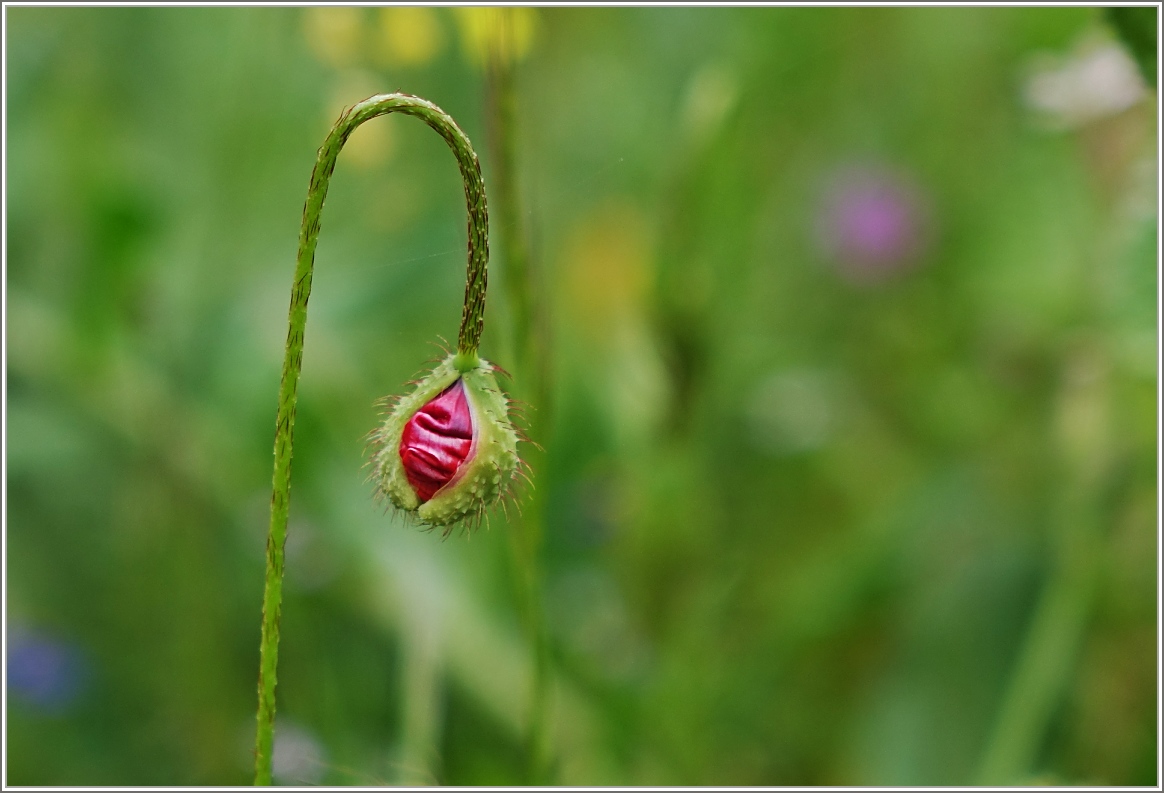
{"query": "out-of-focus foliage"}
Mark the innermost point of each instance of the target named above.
(851, 477)
(1136, 25)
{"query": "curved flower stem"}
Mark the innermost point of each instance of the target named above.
(468, 339)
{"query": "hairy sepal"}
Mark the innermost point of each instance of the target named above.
(482, 479)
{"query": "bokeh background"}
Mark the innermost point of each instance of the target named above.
(850, 424)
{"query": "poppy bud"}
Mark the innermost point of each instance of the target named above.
(447, 451)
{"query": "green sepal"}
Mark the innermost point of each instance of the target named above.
(483, 478)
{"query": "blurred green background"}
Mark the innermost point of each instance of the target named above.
(851, 447)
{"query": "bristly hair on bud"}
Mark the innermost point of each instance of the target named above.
(447, 452)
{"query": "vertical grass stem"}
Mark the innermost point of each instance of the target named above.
(529, 343)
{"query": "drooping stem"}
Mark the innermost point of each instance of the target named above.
(468, 339)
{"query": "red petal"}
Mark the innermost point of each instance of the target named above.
(436, 441)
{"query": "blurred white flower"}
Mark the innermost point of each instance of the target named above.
(298, 757)
(1097, 80)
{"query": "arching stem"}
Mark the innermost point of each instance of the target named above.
(468, 339)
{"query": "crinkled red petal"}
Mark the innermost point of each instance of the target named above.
(436, 441)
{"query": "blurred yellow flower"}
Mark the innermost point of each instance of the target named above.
(607, 276)
(608, 270)
(506, 33)
(408, 36)
(333, 33)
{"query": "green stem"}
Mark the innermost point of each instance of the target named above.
(530, 354)
(1049, 652)
(1055, 637)
(468, 339)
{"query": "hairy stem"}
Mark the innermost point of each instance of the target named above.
(472, 321)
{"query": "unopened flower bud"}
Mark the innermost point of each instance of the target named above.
(447, 452)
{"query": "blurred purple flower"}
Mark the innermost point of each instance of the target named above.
(873, 223)
(43, 671)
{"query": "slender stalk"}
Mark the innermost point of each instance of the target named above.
(530, 353)
(1049, 652)
(468, 339)
(1055, 637)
